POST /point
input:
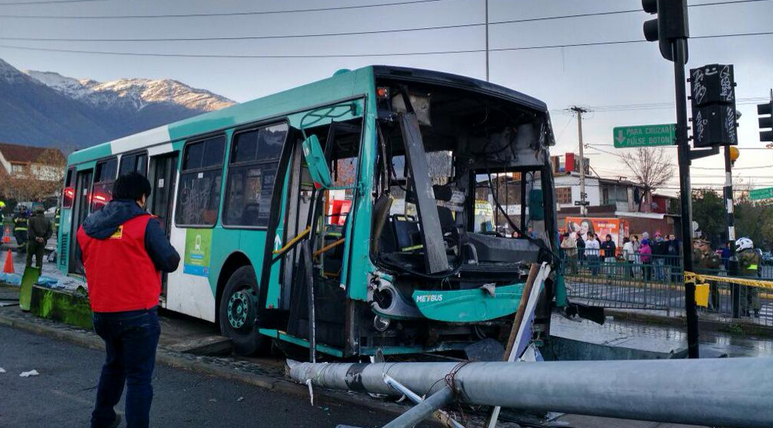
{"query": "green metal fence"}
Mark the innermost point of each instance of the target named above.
(658, 285)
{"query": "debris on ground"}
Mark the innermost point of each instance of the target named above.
(2, 370)
(29, 373)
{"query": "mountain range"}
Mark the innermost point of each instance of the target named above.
(47, 109)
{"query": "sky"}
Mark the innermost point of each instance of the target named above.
(621, 84)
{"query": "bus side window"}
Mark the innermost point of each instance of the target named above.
(68, 194)
(198, 196)
(102, 190)
(137, 162)
(251, 175)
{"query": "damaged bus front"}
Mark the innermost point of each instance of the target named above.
(412, 217)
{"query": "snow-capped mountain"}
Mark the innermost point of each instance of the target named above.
(136, 93)
(48, 109)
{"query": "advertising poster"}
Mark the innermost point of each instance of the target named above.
(198, 243)
(602, 227)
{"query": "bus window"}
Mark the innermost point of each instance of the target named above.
(102, 190)
(198, 197)
(134, 162)
(68, 194)
(251, 175)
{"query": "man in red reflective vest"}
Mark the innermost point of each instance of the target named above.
(124, 251)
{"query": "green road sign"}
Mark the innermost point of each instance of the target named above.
(757, 194)
(644, 136)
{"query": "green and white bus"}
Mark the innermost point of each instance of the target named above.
(341, 215)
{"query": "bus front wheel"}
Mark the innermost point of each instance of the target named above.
(238, 318)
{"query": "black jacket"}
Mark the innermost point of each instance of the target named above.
(103, 223)
(39, 227)
(607, 249)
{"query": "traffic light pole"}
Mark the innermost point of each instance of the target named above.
(732, 263)
(679, 47)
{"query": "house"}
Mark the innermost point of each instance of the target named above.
(609, 198)
(41, 163)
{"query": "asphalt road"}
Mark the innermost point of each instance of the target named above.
(63, 394)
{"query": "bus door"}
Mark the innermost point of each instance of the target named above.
(80, 209)
(163, 179)
(331, 209)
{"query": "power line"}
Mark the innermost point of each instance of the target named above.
(362, 55)
(336, 8)
(32, 3)
(219, 14)
(315, 35)
(234, 38)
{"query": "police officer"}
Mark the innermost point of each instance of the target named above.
(20, 227)
(39, 232)
(706, 261)
(749, 264)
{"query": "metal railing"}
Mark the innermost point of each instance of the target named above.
(658, 286)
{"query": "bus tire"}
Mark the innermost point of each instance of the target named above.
(237, 316)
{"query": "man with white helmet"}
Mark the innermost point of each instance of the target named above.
(749, 265)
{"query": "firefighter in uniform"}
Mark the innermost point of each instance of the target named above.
(56, 220)
(20, 224)
(2, 221)
(749, 265)
(707, 261)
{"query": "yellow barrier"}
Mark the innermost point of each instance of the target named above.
(695, 278)
(702, 295)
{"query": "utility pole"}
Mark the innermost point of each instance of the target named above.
(583, 195)
(670, 29)
(487, 59)
(730, 154)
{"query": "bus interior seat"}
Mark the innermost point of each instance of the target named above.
(406, 230)
(250, 214)
(447, 222)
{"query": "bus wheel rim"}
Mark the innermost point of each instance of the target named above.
(240, 308)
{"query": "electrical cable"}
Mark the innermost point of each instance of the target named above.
(361, 55)
(217, 14)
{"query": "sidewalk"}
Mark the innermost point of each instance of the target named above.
(659, 338)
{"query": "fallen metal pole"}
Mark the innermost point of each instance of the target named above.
(440, 415)
(729, 392)
(423, 410)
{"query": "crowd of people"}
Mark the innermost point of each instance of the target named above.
(654, 255)
(659, 258)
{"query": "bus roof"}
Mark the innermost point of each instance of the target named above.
(341, 85)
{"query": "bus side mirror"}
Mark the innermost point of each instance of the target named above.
(315, 159)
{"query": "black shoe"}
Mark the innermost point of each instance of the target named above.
(116, 422)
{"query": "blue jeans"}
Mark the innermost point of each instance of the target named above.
(130, 339)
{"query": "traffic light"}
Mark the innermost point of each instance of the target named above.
(670, 24)
(766, 122)
(712, 90)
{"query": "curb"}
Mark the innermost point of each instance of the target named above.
(708, 325)
(175, 360)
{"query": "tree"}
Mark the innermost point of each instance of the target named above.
(651, 167)
(708, 211)
(37, 181)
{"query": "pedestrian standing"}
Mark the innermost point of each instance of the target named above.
(39, 232)
(645, 255)
(636, 260)
(592, 253)
(124, 251)
(673, 251)
(608, 254)
(569, 247)
(628, 256)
